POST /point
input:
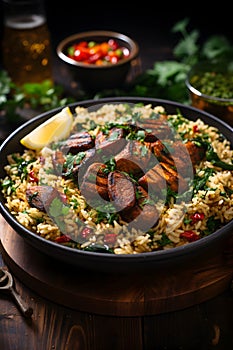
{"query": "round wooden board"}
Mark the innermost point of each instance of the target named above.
(119, 294)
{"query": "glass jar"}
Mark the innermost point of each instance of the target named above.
(26, 51)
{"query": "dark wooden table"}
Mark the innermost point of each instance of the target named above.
(60, 324)
(110, 315)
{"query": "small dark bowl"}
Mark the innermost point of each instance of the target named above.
(96, 261)
(211, 100)
(97, 77)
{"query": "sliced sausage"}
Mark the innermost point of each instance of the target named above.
(158, 127)
(81, 141)
(41, 197)
(175, 180)
(121, 189)
(197, 153)
(58, 161)
(144, 215)
(94, 180)
(112, 142)
(154, 180)
(133, 159)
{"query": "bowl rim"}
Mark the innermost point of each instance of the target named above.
(120, 262)
(134, 51)
(197, 92)
(207, 97)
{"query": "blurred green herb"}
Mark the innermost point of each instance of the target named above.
(167, 78)
(40, 97)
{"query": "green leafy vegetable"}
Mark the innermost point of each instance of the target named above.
(212, 156)
(36, 96)
(58, 210)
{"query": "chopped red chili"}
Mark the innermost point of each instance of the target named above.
(191, 236)
(197, 217)
(86, 232)
(195, 128)
(33, 177)
(63, 239)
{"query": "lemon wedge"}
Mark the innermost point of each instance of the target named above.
(54, 129)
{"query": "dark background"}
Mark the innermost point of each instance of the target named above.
(149, 23)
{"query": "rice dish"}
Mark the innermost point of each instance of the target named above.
(129, 179)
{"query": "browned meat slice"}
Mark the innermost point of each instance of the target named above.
(94, 181)
(142, 195)
(81, 141)
(139, 133)
(153, 180)
(40, 197)
(80, 166)
(177, 156)
(112, 142)
(58, 160)
(197, 153)
(156, 147)
(158, 127)
(121, 189)
(133, 159)
(181, 158)
(157, 178)
(149, 137)
(161, 152)
(175, 180)
(144, 215)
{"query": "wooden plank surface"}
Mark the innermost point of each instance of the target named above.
(138, 294)
(204, 325)
(207, 326)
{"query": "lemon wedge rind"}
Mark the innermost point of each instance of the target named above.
(54, 129)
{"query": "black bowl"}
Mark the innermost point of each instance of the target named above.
(110, 262)
(97, 77)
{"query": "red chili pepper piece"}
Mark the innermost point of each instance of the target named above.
(63, 239)
(32, 176)
(191, 236)
(86, 232)
(80, 54)
(197, 217)
(94, 58)
(110, 238)
(195, 128)
(114, 59)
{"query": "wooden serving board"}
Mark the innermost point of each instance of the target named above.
(165, 290)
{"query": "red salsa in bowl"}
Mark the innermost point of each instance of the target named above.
(99, 59)
(98, 53)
